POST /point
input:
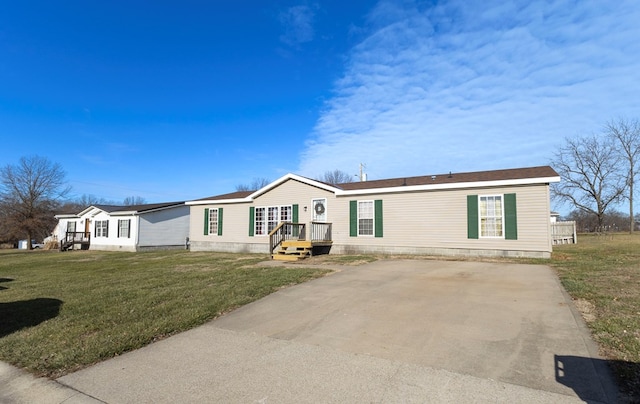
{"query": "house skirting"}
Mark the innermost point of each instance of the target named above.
(98, 247)
(448, 252)
(131, 248)
(161, 247)
(257, 248)
(261, 248)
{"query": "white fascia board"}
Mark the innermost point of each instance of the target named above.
(290, 176)
(87, 210)
(218, 201)
(124, 213)
(459, 185)
(266, 189)
(66, 216)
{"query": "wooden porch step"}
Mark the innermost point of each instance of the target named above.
(296, 243)
(293, 250)
(280, 257)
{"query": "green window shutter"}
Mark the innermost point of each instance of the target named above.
(510, 217)
(252, 218)
(353, 218)
(377, 214)
(106, 231)
(129, 229)
(472, 216)
(206, 221)
(294, 217)
(219, 221)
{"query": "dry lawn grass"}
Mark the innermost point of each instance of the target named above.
(602, 274)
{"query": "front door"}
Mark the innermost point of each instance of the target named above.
(319, 212)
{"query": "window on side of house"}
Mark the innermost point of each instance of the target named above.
(365, 218)
(491, 216)
(71, 227)
(260, 222)
(272, 218)
(124, 228)
(102, 228)
(213, 221)
(268, 218)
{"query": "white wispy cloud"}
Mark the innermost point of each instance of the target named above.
(297, 22)
(463, 85)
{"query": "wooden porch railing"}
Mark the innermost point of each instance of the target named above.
(286, 231)
(75, 237)
(320, 231)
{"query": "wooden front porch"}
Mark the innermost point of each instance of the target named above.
(81, 239)
(290, 241)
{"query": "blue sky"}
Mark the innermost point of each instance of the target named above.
(181, 100)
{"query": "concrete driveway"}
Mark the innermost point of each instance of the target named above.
(389, 331)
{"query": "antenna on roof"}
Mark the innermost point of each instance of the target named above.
(363, 175)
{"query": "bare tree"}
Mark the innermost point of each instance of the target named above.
(29, 194)
(336, 177)
(80, 203)
(626, 137)
(255, 185)
(134, 200)
(87, 200)
(588, 167)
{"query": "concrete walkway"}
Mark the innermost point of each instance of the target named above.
(387, 332)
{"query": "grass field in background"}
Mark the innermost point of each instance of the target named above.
(60, 312)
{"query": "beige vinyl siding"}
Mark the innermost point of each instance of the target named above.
(438, 219)
(236, 217)
(414, 222)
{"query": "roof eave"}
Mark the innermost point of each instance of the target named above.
(266, 189)
(66, 216)
(449, 186)
(218, 201)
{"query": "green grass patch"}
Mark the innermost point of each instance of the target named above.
(602, 274)
(60, 312)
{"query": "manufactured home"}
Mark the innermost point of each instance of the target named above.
(488, 213)
(125, 228)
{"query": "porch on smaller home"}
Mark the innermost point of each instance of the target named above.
(297, 241)
(81, 239)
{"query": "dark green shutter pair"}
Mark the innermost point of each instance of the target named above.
(206, 221)
(510, 217)
(353, 218)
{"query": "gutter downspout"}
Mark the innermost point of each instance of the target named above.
(137, 216)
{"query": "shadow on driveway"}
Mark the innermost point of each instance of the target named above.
(571, 370)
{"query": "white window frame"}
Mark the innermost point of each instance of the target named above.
(71, 227)
(372, 218)
(496, 221)
(213, 221)
(268, 218)
(125, 234)
(260, 221)
(102, 227)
